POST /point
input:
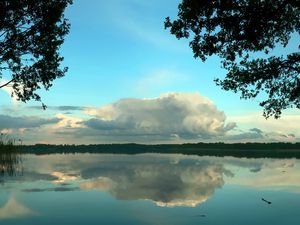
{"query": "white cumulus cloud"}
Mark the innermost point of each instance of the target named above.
(184, 115)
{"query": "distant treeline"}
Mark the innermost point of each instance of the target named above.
(254, 150)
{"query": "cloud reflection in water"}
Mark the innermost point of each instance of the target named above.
(167, 180)
(15, 209)
(167, 184)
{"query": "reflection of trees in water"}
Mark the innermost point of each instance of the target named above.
(10, 164)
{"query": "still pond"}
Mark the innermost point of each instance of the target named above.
(149, 189)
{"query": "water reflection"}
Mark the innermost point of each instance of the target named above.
(167, 180)
(271, 175)
(150, 189)
(181, 184)
(15, 209)
(10, 164)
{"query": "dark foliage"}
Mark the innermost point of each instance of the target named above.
(31, 33)
(234, 30)
(253, 150)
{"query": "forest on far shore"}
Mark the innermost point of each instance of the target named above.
(255, 150)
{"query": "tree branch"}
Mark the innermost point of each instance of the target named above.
(7, 83)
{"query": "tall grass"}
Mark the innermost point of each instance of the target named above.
(7, 144)
(10, 157)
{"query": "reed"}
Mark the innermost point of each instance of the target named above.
(7, 144)
(10, 157)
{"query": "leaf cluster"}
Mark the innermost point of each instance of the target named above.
(235, 30)
(31, 33)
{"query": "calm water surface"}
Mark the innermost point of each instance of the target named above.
(150, 189)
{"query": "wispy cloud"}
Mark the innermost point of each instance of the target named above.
(7, 122)
(59, 108)
(129, 17)
(159, 80)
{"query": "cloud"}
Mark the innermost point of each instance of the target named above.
(253, 134)
(9, 90)
(6, 131)
(159, 80)
(67, 122)
(181, 115)
(168, 118)
(14, 209)
(10, 122)
(100, 183)
(256, 130)
(286, 128)
(56, 189)
(59, 108)
(31, 176)
(61, 177)
(126, 17)
(258, 135)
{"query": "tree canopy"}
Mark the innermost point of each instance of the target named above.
(243, 34)
(31, 33)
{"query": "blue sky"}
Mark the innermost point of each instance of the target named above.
(119, 50)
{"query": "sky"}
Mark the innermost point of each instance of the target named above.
(130, 80)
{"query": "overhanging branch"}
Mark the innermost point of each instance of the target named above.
(7, 83)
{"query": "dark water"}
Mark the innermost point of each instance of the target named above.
(150, 189)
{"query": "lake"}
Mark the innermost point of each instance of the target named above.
(149, 189)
